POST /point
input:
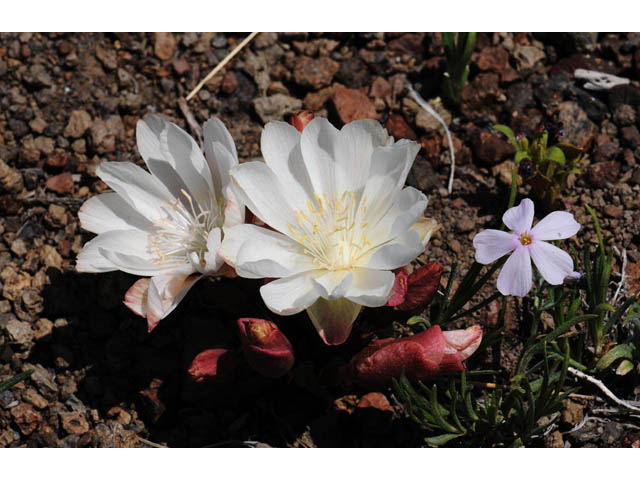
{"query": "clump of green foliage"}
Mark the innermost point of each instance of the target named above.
(458, 48)
(544, 162)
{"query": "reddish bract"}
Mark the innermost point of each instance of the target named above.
(214, 365)
(421, 357)
(411, 291)
(301, 119)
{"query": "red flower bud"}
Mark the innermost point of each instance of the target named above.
(265, 347)
(414, 290)
(214, 365)
(421, 357)
(301, 119)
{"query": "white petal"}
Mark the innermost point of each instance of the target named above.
(515, 277)
(189, 162)
(234, 209)
(553, 264)
(263, 194)
(333, 285)
(139, 188)
(491, 245)
(212, 257)
(165, 293)
(555, 226)
(318, 142)
(371, 288)
(258, 253)
(407, 208)
(280, 145)
(519, 219)
(108, 211)
(395, 160)
(220, 152)
(358, 140)
(333, 319)
(289, 295)
(128, 242)
(394, 254)
(425, 227)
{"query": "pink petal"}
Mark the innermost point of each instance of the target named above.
(136, 297)
(466, 341)
(515, 277)
(491, 245)
(554, 264)
(520, 218)
(555, 226)
(333, 319)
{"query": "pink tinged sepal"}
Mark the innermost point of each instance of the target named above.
(421, 357)
(265, 347)
(302, 119)
(136, 297)
(415, 290)
(215, 365)
(333, 319)
(400, 286)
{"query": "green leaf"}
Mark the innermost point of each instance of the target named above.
(440, 440)
(571, 152)
(554, 154)
(15, 380)
(506, 131)
(625, 367)
(522, 155)
(624, 350)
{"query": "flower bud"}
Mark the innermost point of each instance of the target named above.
(215, 365)
(415, 290)
(421, 357)
(301, 119)
(265, 347)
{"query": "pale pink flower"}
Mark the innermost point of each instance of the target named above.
(526, 244)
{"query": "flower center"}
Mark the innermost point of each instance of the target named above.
(525, 239)
(333, 230)
(184, 230)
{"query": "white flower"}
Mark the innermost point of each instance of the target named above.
(527, 244)
(341, 216)
(166, 224)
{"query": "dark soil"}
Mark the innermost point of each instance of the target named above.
(71, 101)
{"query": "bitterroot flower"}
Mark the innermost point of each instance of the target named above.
(167, 224)
(341, 216)
(527, 244)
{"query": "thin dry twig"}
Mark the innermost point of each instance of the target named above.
(150, 443)
(195, 127)
(420, 101)
(220, 65)
(603, 388)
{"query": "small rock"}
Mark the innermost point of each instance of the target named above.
(465, 224)
(19, 332)
(164, 45)
(26, 418)
(275, 107)
(6, 399)
(45, 145)
(315, 73)
(62, 183)
(19, 247)
(79, 122)
(180, 66)
(353, 105)
(114, 436)
(613, 211)
(554, 440)
(108, 57)
(398, 127)
(577, 129)
(353, 72)
(38, 76)
(381, 89)
(489, 148)
(74, 423)
(42, 379)
(631, 136)
(314, 101)
(572, 414)
(602, 174)
(34, 398)
(528, 56)
(624, 115)
(504, 172)
(58, 160)
(58, 215)
(229, 82)
(10, 178)
(50, 257)
(455, 245)
(43, 328)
